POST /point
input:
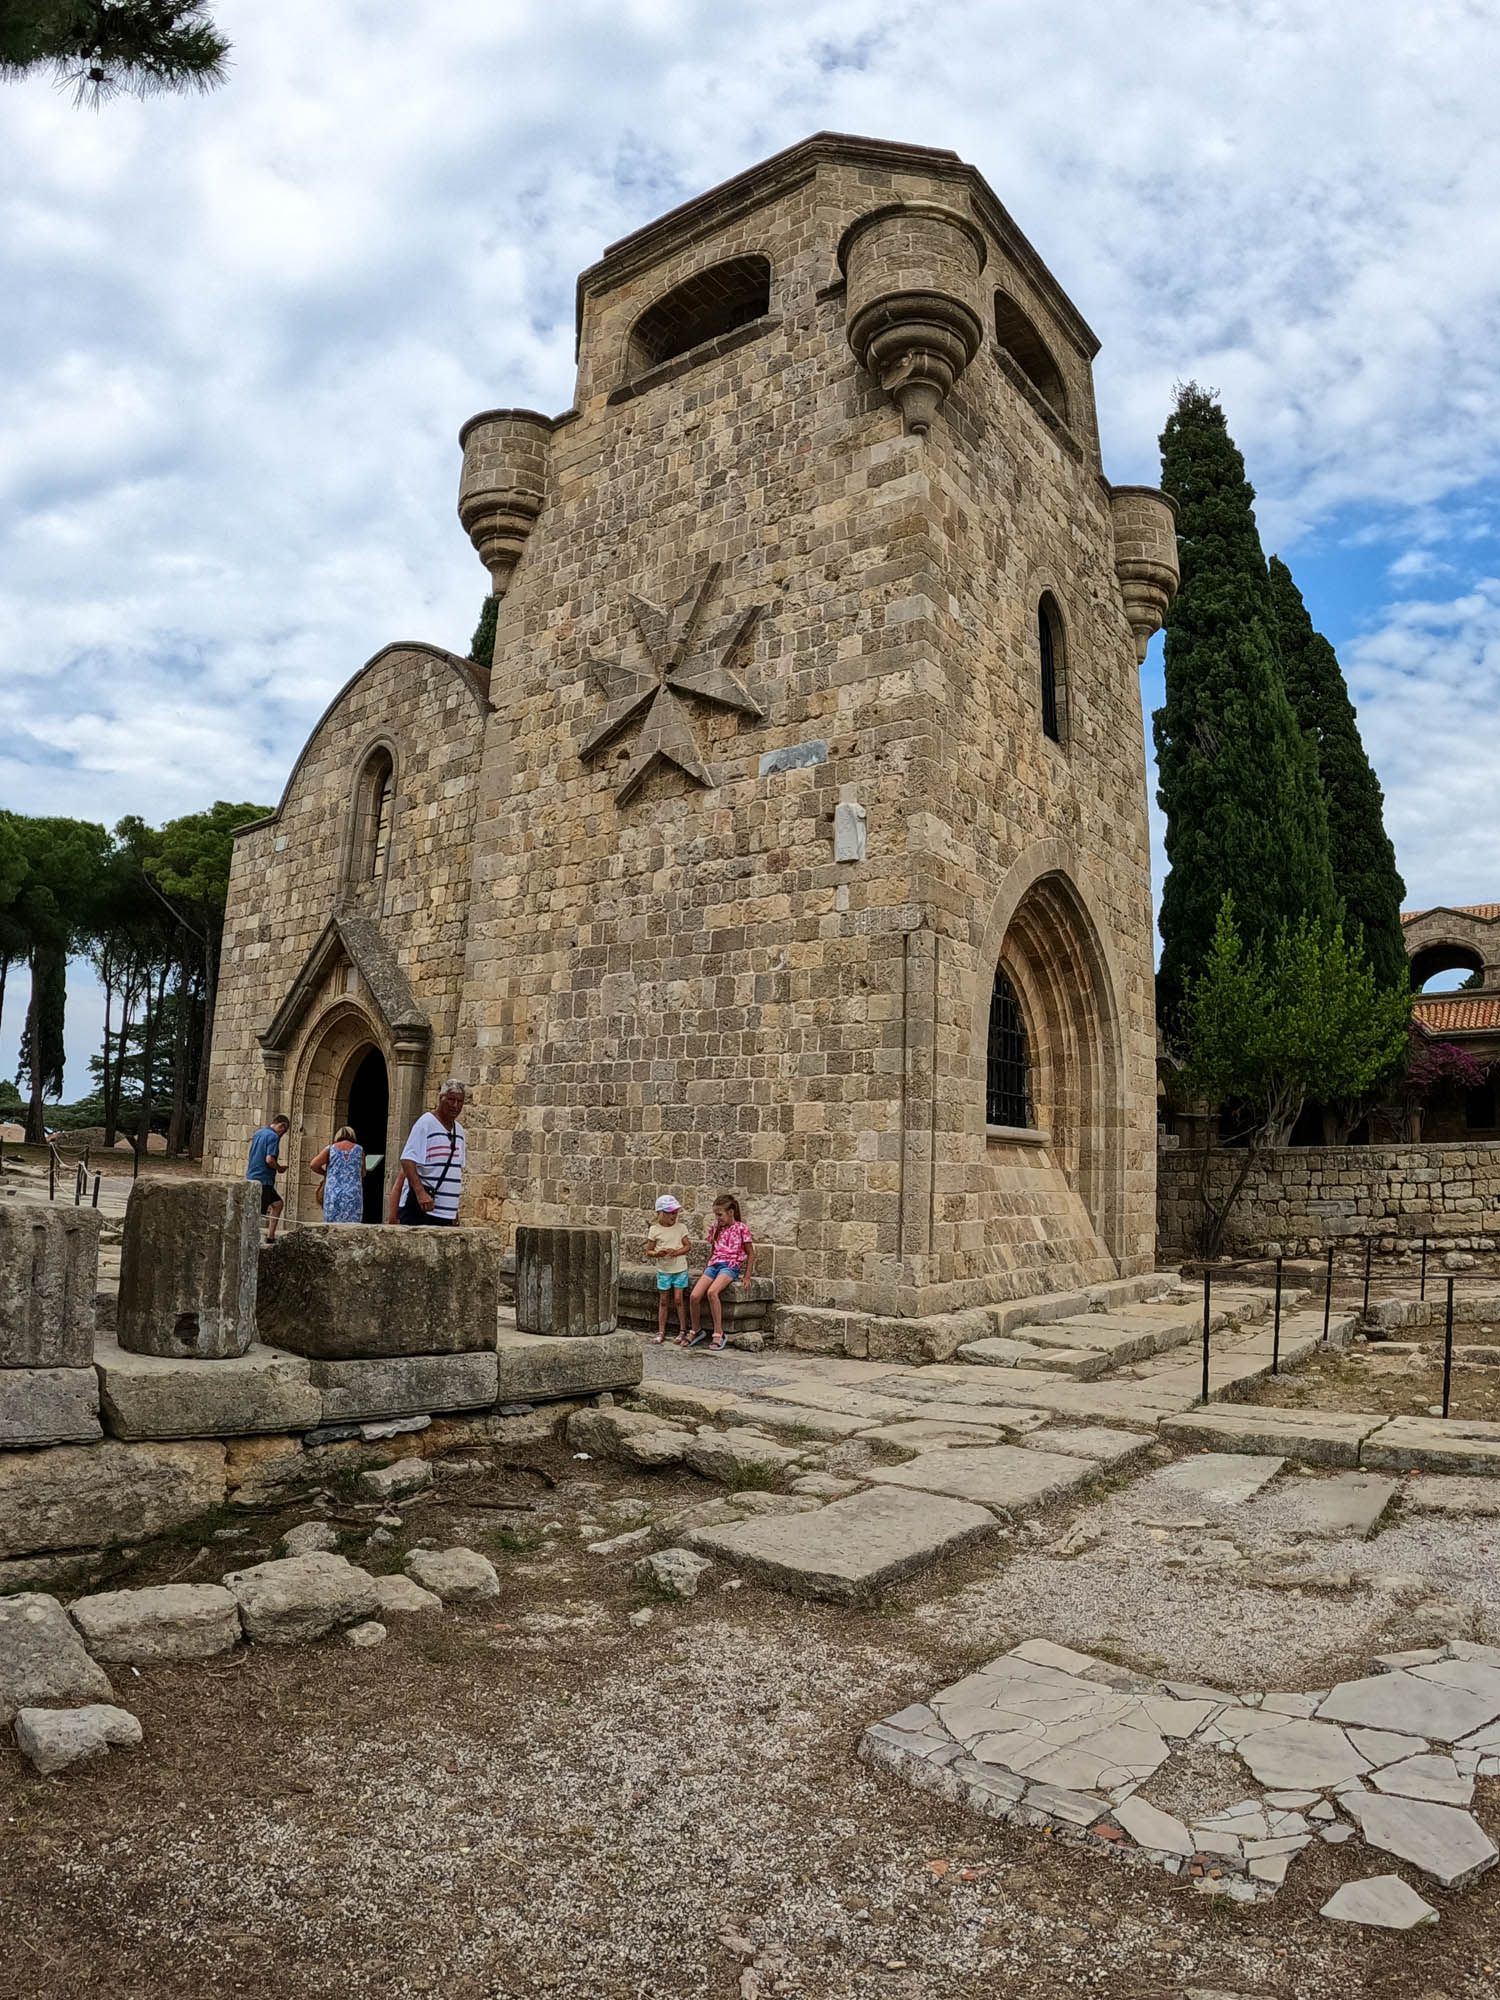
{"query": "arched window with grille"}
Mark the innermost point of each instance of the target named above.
(718, 300)
(1007, 1087)
(1049, 639)
(374, 815)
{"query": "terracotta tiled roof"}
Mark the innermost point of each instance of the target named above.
(1489, 911)
(1443, 1013)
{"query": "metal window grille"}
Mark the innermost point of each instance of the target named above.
(1049, 674)
(1007, 1094)
(382, 826)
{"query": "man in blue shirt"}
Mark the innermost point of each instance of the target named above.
(265, 1164)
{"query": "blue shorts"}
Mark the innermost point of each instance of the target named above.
(731, 1271)
(672, 1281)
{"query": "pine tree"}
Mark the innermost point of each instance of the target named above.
(1238, 779)
(1363, 859)
(482, 645)
(106, 47)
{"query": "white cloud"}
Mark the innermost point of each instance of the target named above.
(241, 331)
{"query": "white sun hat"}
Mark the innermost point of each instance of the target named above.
(667, 1204)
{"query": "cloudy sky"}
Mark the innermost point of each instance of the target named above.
(240, 332)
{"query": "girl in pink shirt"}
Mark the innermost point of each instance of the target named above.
(731, 1259)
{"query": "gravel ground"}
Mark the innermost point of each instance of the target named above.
(538, 1797)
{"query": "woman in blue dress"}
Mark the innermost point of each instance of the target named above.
(342, 1166)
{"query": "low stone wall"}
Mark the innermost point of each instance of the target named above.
(1304, 1197)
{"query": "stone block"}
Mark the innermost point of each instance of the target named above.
(1384, 1901)
(567, 1281)
(1004, 1477)
(50, 1739)
(536, 1368)
(341, 1294)
(296, 1598)
(49, 1406)
(634, 1435)
(188, 1268)
(1311, 1437)
(95, 1496)
(49, 1261)
(457, 1576)
(852, 1550)
(1434, 1444)
(42, 1659)
(404, 1385)
(154, 1396)
(1443, 1841)
(168, 1621)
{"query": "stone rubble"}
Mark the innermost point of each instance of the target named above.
(51, 1739)
(294, 1599)
(1044, 1736)
(166, 1621)
(457, 1576)
(42, 1658)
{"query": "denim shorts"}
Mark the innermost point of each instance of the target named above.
(671, 1281)
(731, 1271)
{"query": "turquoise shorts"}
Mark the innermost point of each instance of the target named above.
(672, 1281)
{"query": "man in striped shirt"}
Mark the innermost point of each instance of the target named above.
(432, 1165)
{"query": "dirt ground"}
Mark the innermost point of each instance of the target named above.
(1403, 1375)
(539, 1797)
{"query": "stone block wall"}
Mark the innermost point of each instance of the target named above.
(1305, 1197)
(297, 869)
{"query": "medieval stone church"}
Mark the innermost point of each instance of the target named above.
(796, 842)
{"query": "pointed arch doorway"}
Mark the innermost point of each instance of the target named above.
(366, 1098)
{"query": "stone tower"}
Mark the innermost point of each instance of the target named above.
(803, 818)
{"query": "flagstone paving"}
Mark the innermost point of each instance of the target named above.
(1044, 1736)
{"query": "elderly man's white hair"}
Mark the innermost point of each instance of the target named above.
(454, 1083)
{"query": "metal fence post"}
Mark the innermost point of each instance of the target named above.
(1369, 1248)
(95, 1202)
(1448, 1351)
(1328, 1292)
(1422, 1293)
(51, 1175)
(1276, 1328)
(1207, 1287)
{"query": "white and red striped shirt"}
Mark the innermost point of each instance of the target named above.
(428, 1149)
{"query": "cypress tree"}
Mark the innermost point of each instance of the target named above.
(1238, 779)
(1363, 859)
(482, 645)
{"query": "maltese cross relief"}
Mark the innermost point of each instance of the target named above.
(682, 663)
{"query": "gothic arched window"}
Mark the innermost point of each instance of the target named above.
(374, 812)
(1007, 1086)
(1050, 653)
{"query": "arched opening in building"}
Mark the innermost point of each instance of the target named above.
(719, 300)
(1445, 968)
(1054, 1034)
(367, 1109)
(1031, 354)
(374, 810)
(1051, 654)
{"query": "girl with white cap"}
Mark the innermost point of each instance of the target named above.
(667, 1243)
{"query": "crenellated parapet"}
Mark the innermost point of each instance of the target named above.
(913, 304)
(503, 485)
(1145, 524)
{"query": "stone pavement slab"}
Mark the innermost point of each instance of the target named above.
(999, 1352)
(1007, 1478)
(1349, 1503)
(1411, 1707)
(1443, 1841)
(1301, 1756)
(922, 1433)
(852, 1549)
(1432, 1444)
(1451, 1493)
(1382, 1900)
(1313, 1437)
(1221, 1478)
(1093, 1441)
(1429, 1777)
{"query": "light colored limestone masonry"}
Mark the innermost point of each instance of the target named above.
(814, 708)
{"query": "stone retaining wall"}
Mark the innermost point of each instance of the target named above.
(1303, 1197)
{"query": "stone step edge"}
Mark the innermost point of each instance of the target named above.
(937, 1337)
